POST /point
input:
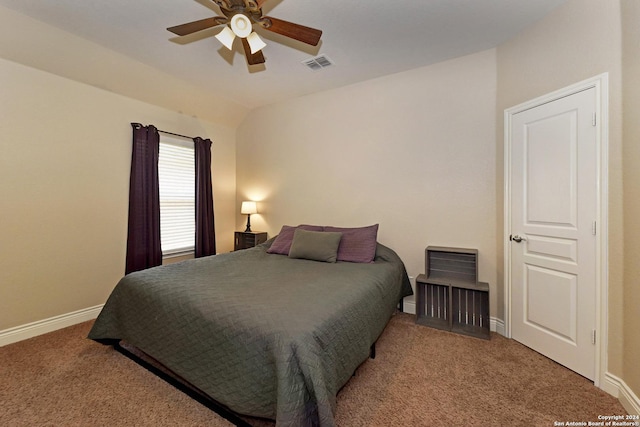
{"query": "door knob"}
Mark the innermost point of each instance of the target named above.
(516, 238)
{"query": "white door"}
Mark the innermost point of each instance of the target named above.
(553, 230)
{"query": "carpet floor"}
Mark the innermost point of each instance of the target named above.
(420, 377)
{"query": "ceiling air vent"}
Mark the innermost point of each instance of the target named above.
(318, 63)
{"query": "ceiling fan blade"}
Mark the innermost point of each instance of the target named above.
(289, 29)
(252, 58)
(195, 26)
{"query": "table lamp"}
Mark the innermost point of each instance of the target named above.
(248, 208)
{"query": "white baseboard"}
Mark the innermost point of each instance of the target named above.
(409, 307)
(618, 388)
(496, 325)
(30, 330)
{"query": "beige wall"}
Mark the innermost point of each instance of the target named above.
(414, 152)
(631, 162)
(65, 154)
(578, 40)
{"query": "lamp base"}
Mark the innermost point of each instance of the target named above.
(248, 229)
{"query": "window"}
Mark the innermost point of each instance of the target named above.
(176, 174)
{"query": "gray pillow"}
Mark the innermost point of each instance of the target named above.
(282, 244)
(315, 245)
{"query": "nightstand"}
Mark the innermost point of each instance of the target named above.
(248, 239)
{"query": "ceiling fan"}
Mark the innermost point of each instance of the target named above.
(239, 18)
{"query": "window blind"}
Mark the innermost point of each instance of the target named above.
(176, 174)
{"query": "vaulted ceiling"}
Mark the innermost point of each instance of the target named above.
(364, 39)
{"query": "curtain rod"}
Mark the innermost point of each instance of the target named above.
(138, 125)
(175, 134)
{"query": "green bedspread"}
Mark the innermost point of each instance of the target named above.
(263, 334)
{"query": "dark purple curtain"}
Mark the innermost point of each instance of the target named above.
(143, 238)
(205, 230)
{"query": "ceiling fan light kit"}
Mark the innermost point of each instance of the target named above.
(255, 42)
(226, 37)
(239, 19)
(241, 25)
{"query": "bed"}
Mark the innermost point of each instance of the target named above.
(264, 334)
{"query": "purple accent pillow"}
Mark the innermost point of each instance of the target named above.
(357, 244)
(282, 243)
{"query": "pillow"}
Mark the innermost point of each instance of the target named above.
(282, 242)
(357, 244)
(315, 245)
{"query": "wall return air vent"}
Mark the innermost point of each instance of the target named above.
(318, 62)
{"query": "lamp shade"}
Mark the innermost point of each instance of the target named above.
(255, 42)
(226, 37)
(249, 208)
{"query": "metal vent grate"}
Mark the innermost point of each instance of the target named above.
(318, 63)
